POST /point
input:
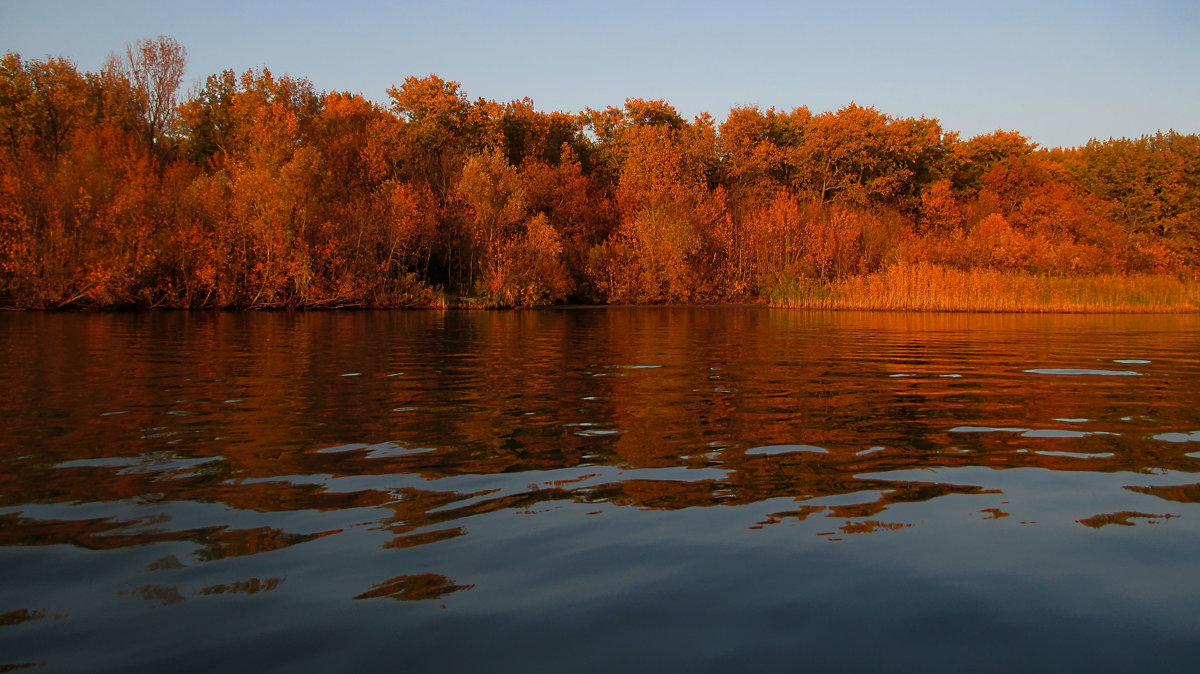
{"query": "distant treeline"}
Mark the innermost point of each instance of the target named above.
(258, 191)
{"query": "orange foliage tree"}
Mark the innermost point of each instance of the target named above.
(662, 198)
(258, 191)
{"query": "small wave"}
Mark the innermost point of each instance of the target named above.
(376, 451)
(988, 429)
(1194, 436)
(384, 450)
(1030, 432)
(144, 463)
(1076, 455)
(341, 448)
(785, 449)
(1054, 433)
(1069, 371)
(597, 432)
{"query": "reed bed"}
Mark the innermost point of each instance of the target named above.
(928, 287)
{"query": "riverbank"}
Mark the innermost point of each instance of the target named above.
(900, 287)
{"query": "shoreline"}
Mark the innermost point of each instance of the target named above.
(912, 287)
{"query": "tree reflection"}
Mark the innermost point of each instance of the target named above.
(248, 420)
(414, 587)
(1122, 518)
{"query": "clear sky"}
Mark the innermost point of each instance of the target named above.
(1060, 72)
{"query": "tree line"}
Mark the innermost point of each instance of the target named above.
(256, 190)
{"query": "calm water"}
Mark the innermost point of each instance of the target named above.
(587, 490)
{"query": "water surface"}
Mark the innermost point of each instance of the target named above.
(669, 489)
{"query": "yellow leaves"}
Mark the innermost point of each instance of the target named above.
(430, 99)
(662, 197)
(641, 112)
(541, 236)
(657, 171)
(751, 144)
(491, 186)
(256, 116)
(342, 105)
(517, 256)
(534, 273)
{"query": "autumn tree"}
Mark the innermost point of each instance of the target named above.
(79, 196)
(858, 155)
(373, 229)
(761, 152)
(155, 69)
(1153, 183)
(531, 135)
(206, 119)
(266, 199)
(440, 129)
(778, 239)
(491, 188)
(969, 160)
(941, 209)
(258, 191)
(662, 200)
(515, 255)
(752, 152)
(580, 208)
(43, 103)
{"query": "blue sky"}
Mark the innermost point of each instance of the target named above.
(1059, 72)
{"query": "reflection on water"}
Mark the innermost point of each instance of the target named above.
(593, 489)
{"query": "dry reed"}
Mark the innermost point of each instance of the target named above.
(927, 287)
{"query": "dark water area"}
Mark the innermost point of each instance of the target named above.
(588, 490)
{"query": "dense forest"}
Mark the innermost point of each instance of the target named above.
(255, 190)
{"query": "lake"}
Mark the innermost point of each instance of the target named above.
(599, 490)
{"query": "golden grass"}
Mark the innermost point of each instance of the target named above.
(927, 287)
